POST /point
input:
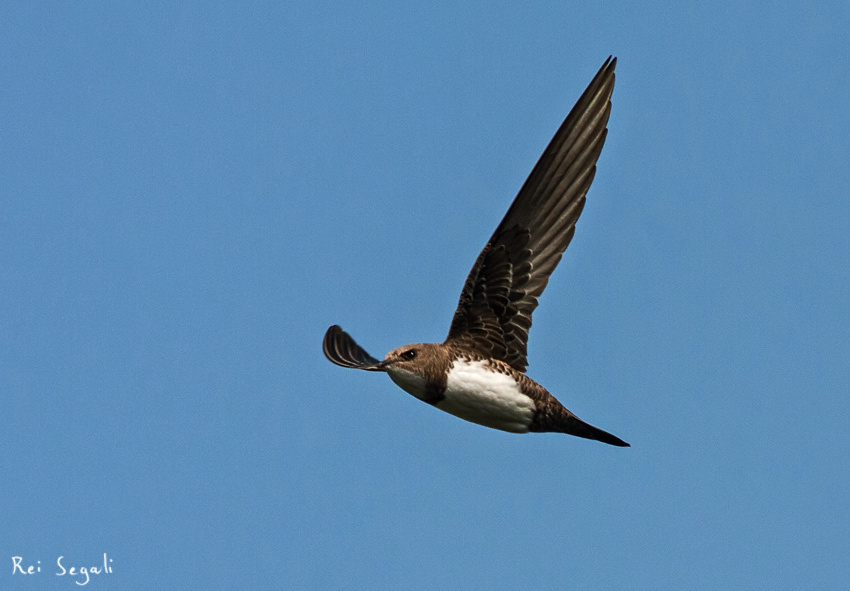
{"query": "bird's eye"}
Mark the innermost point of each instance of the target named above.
(408, 355)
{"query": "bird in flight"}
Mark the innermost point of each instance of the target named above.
(478, 372)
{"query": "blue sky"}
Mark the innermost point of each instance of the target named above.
(192, 192)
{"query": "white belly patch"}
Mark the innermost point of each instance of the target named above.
(478, 394)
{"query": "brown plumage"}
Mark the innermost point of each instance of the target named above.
(494, 313)
(490, 327)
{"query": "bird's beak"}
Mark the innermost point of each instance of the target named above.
(382, 366)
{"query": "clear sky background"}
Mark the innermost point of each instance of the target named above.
(192, 192)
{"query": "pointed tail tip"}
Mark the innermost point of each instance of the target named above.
(587, 430)
(606, 437)
(591, 432)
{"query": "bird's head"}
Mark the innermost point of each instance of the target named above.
(411, 366)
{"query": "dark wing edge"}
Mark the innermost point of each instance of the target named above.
(493, 316)
(342, 350)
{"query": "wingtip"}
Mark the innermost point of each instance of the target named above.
(332, 330)
(339, 348)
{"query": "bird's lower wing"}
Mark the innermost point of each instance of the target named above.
(341, 349)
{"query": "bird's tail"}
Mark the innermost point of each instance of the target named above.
(572, 425)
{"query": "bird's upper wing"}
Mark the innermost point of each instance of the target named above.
(494, 313)
(341, 349)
